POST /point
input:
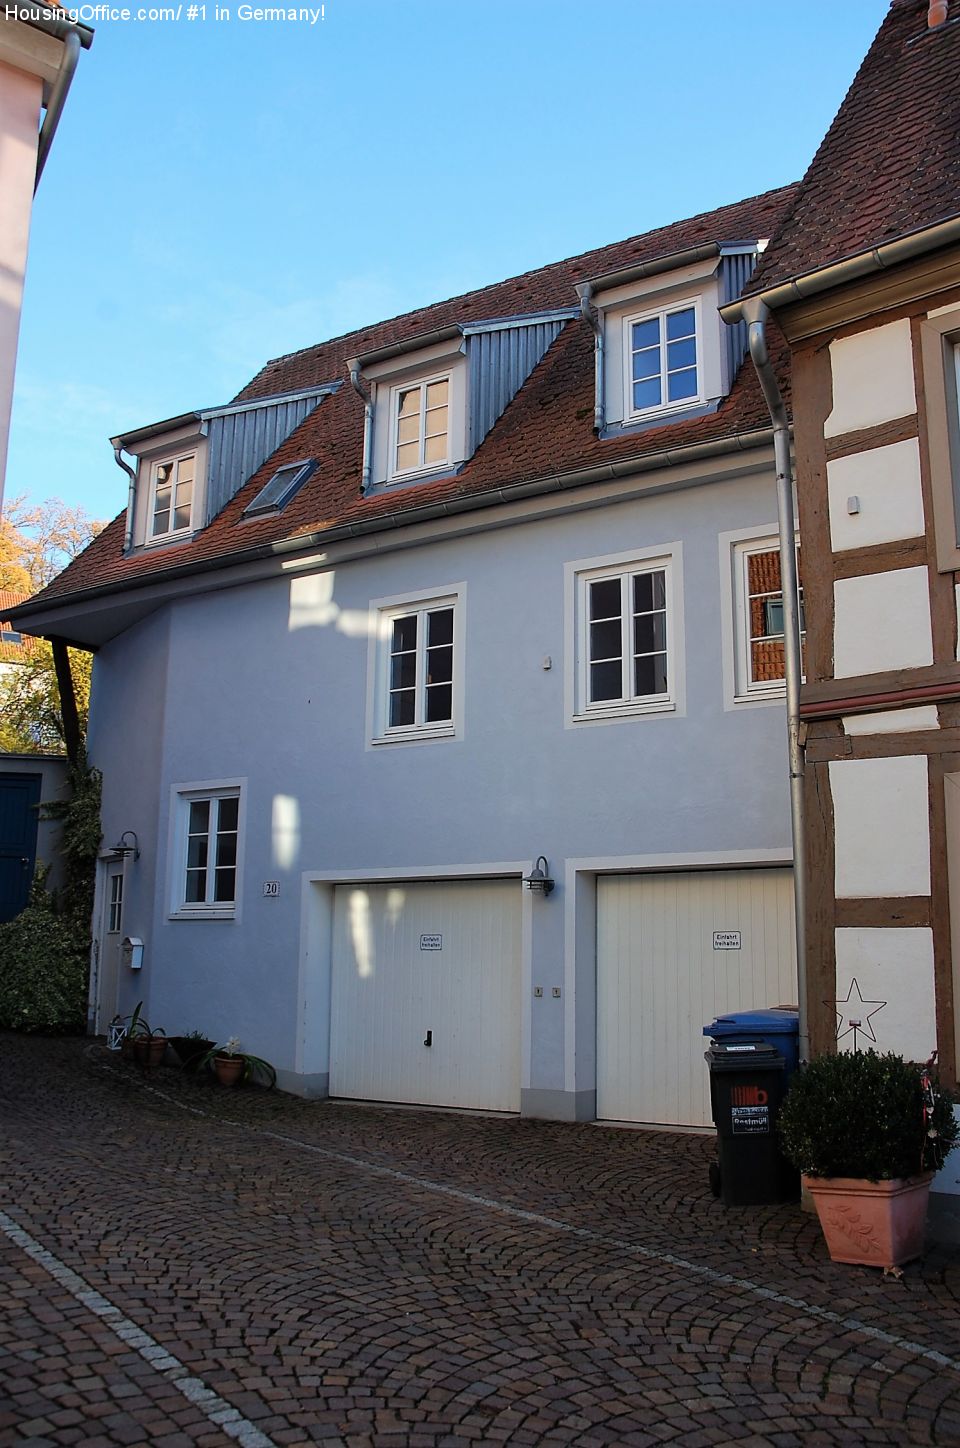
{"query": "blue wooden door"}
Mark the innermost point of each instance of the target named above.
(19, 797)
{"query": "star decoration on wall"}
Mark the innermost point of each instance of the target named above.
(854, 1015)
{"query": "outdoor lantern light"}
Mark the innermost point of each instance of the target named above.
(115, 1034)
(123, 848)
(538, 880)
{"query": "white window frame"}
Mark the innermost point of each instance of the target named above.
(579, 576)
(155, 464)
(735, 550)
(114, 900)
(940, 375)
(383, 612)
(632, 414)
(395, 474)
(182, 796)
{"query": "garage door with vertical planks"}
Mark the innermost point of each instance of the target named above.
(673, 952)
(426, 993)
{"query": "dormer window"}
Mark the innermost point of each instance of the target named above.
(661, 353)
(415, 399)
(662, 362)
(172, 488)
(421, 426)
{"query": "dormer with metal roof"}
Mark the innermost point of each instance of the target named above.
(431, 399)
(660, 352)
(189, 467)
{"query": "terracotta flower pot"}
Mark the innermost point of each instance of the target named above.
(149, 1050)
(872, 1224)
(228, 1069)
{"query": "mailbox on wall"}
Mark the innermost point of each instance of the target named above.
(131, 952)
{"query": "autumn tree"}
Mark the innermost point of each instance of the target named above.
(36, 542)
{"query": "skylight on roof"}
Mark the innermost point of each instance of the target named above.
(275, 494)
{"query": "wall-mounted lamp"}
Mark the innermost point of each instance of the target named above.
(538, 879)
(123, 847)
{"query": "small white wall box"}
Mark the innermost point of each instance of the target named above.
(131, 952)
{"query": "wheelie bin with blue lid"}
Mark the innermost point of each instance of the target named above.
(753, 1056)
(777, 1026)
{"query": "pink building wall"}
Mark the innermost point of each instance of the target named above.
(20, 103)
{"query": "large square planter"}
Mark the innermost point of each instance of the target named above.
(872, 1224)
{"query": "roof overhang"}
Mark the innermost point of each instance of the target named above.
(155, 429)
(92, 616)
(849, 269)
(416, 343)
(205, 414)
(671, 261)
(52, 20)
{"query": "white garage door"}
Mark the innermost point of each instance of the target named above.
(674, 951)
(437, 962)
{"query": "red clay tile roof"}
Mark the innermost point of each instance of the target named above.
(890, 163)
(546, 429)
(12, 653)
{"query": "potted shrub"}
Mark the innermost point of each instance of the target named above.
(232, 1067)
(868, 1131)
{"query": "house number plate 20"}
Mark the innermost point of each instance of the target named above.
(271, 888)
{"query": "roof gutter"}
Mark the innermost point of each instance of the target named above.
(154, 429)
(303, 542)
(411, 344)
(839, 273)
(755, 313)
(671, 262)
(58, 97)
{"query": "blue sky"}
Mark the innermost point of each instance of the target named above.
(222, 191)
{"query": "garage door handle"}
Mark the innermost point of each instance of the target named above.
(428, 1039)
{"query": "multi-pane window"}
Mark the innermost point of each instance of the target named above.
(420, 685)
(115, 903)
(626, 653)
(761, 614)
(210, 869)
(172, 494)
(662, 366)
(421, 424)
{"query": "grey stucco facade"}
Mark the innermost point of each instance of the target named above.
(266, 684)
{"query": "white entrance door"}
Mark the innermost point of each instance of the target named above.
(109, 937)
(673, 952)
(426, 993)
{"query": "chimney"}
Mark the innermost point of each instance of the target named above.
(937, 13)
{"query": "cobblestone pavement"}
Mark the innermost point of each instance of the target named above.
(183, 1264)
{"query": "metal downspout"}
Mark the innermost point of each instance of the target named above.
(131, 491)
(363, 392)
(58, 97)
(592, 318)
(756, 314)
